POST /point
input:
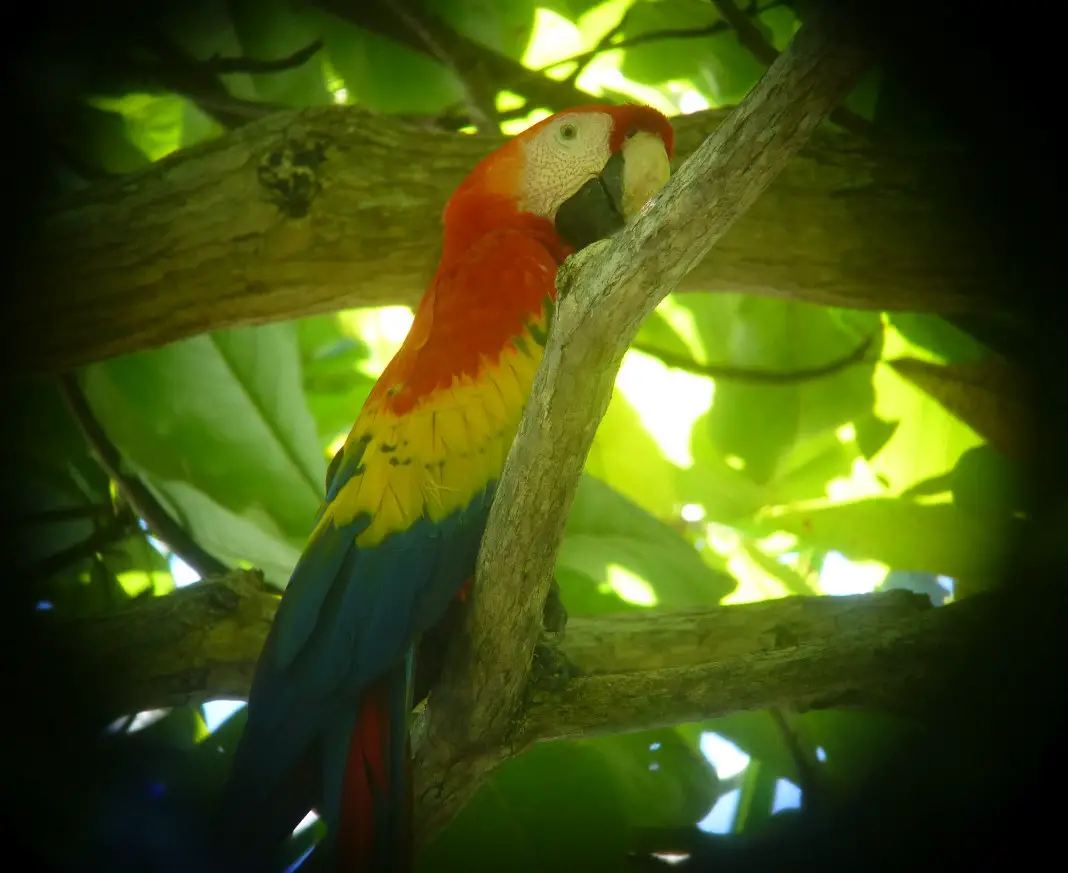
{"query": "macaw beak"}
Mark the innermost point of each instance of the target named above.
(628, 181)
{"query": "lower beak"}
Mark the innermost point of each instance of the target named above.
(630, 178)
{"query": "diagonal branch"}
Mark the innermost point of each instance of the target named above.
(219, 66)
(750, 38)
(731, 372)
(605, 293)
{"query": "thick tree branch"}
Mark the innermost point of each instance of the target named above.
(605, 293)
(638, 669)
(198, 242)
(201, 643)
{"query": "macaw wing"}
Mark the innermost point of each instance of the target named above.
(406, 506)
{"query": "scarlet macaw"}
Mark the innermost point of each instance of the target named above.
(409, 494)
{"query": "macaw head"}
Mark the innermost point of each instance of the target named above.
(584, 172)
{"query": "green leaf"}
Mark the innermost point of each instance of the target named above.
(387, 77)
(657, 61)
(51, 470)
(986, 484)
(219, 428)
(102, 137)
(625, 454)
(252, 537)
(334, 385)
(938, 336)
(503, 27)
(772, 429)
(855, 743)
(615, 555)
(865, 94)
(756, 734)
(904, 535)
(571, 805)
(779, 24)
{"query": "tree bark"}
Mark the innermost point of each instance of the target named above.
(629, 671)
(207, 239)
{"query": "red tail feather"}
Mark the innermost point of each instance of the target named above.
(367, 770)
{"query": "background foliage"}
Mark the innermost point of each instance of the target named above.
(699, 490)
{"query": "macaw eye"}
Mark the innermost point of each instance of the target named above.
(568, 132)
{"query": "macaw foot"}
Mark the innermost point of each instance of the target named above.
(552, 669)
(554, 617)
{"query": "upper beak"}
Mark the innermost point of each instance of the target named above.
(628, 181)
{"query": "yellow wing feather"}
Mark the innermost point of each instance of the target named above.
(433, 459)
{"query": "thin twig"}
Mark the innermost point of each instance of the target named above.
(219, 66)
(747, 374)
(133, 490)
(113, 532)
(605, 44)
(184, 74)
(669, 33)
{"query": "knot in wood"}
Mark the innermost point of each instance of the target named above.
(290, 175)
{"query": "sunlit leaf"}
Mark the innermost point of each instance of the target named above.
(927, 440)
(947, 343)
(675, 58)
(904, 535)
(774, 429)
(152, 122)
(414, 84)
(988, 396)
(219, 428)
(336, 382)
(616, 556)
(505, 28)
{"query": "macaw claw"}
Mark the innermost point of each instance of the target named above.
(554, 617)
(552, 669)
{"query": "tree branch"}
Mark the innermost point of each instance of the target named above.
(198, 242)
(218, 66)
(638, 670)
(751, 39)
(731, 372)
(604, 294)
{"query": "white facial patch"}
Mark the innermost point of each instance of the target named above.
(562, 158)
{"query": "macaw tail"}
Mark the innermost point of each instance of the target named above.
(374, 832)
